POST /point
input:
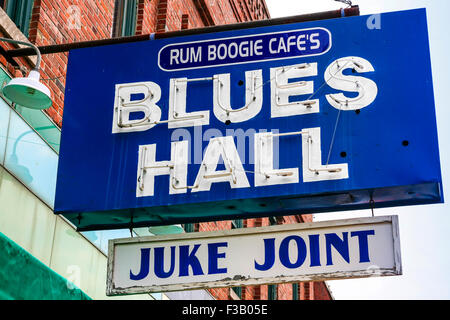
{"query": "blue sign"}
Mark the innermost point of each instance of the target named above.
(289, 119)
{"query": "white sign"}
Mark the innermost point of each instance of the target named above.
(340, 249)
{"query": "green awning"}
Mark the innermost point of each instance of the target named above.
(23, 277)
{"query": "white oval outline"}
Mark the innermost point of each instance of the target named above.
(233, 63)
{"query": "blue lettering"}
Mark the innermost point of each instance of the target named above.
(214, 255)
(363, 244)
(189, 259)
(269, 255)
(314, 250)
(145, 265)
(284, 252)
(159, 262)
(341, 245)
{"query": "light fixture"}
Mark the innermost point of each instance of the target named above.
(28, 92)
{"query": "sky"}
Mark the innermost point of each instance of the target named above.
(425, 229)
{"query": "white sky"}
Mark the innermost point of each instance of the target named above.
(424, 230)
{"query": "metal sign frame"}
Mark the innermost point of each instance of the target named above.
(324, 119)
(241, 280)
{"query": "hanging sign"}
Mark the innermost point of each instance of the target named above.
(297, 118)
(341, 249)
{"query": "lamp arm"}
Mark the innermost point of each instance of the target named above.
(38, 53)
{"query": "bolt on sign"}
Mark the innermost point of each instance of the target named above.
(306, 117)
(340, 249)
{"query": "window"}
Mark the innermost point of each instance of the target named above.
(273, 221)
(236, 224)
(272, 292)
(20, 12)
(191, 227)
(295, 291)
(125, 12)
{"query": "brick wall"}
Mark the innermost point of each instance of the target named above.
(57, 22)
(321, 291)
(15, 72)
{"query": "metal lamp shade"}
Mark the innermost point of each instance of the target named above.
(28, 92)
